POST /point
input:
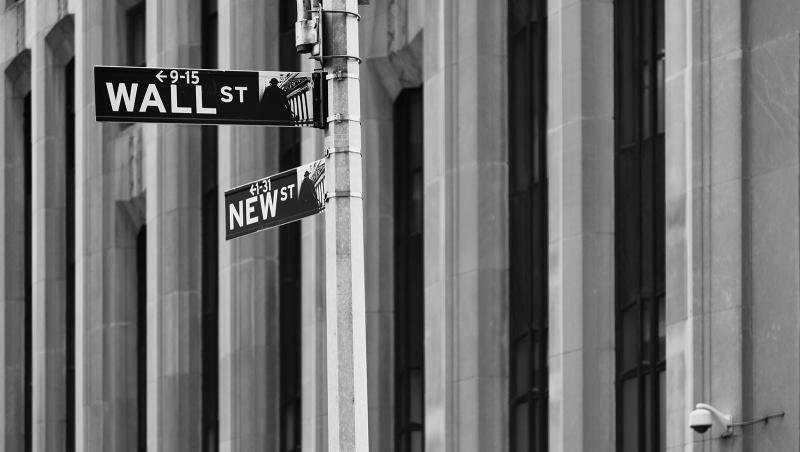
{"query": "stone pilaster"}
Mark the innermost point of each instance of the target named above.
(580, 169)
(704, 214)
(51, 47)
(732, 215)
(14, 85)
(466, 230)
(109, 208)
(392, 54)
(173, 215)
(313, 339)
(771, 198)
(248, 316)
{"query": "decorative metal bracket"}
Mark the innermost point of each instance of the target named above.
(338, 117)
(343, 194)
(342, 11)
(341, 75)
(342, 150)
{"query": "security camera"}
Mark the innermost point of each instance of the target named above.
(701, 418)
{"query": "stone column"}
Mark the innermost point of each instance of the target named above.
(704, 214)
(377, 109)
(173, 214)
(466, 230)
(249, 302)
(392, 61)
(14, 85)
(109, 209)
(770, 137)
(314, 392)
(732, 215)
(51, 48)
(580, 170)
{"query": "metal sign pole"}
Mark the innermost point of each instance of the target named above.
(344, 232)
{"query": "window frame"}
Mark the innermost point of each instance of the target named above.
(210, 246)
(141, 337)
(69, 230)
(528, 226)
(640, 290)
(28, 262)
(409, 342)
(289, 264)
(135, 34)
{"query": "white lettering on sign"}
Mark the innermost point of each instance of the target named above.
(283, 192)
(125, 96)
(227, 97)
(241, 90)
(237, 215)
(244, 212)
(249, 210)
(268, 204)
(174, 107)
(152, 99)
(122, 93)
(198, 94)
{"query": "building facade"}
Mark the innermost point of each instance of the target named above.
(581, 218)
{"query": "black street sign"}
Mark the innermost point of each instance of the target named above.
(199, 96)
(275, 200)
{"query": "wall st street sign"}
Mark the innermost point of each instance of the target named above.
(199, 96)
(275, 200)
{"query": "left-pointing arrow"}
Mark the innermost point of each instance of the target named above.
(160, 76)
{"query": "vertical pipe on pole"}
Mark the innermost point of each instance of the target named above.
(344, 235)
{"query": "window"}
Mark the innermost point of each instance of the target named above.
(289, 263)
(28, 276)
(639, 218)
(210, 34)
(141, 337)
(135, 20)
(290, 326)
(289, 58)
(528, 235)
(409, 293)
(210, 252)
(69, 135)
(135, 28)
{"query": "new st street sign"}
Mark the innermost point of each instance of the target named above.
(199, 96)
(275, 200)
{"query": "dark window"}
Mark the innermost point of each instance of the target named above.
(210, 256)
(409, 294)
(210, 34)
(288, 53)
(290, 326)
(528, 236)
(141, 337)
(69, 79)
(289, 263)
(639, 218)
(135, 28)
(28, 276)
(135, 20)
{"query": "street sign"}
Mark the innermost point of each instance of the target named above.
(275, 200)
(200, 96)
